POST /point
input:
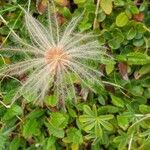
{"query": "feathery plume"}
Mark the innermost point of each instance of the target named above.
(57, 58)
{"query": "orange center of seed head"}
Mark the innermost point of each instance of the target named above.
(57, 56)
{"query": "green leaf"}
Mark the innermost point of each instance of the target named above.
(117, 101)
(51, 100)
(49, 143)
(101, 100)
(108, 109)
(88, 126)
(85, 118)
(98, 130)
(138, 42)
(15, 144)
(88, 111)
(101, 16)
(55, 131)
(106, 117)
(79, 1)
(122, 19)
(35, 114)
(3, 140)
(10, 87)
(138, 58)
(30, 128)
(122, 141)
(85, 26)
(109, 68)
(119, 2)
(108, 126)
(145, 109)
(114, 44)
(106, 6)
(145, 146)
(74, 136)
(116, 39)
(12, 112)
(57, 123)
(131, 34)
(59, 120)
(136, 90)
(144, 70)
(66, 12)
(72, 113)
(123, 121)
(134, 9)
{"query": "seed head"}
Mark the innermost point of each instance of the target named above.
(57, 59)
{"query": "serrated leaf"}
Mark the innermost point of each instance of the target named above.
(30, 128)
(12, 112)
(106, 6)
(59, 120)
(51, 100)
(74, 136)
(55, 131)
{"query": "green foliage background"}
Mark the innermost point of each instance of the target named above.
(116, 117)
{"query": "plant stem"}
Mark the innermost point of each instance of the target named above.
(130, 142)
(29, 4)
(144, 118)
(11, 28)
(96, 13)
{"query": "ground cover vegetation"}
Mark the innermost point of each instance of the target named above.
(82, 83)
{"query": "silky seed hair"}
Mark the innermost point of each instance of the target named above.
(58, 59)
